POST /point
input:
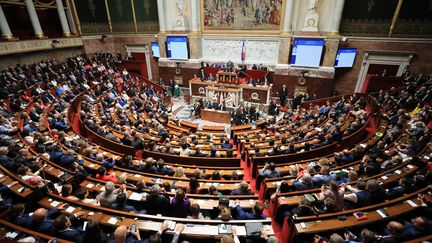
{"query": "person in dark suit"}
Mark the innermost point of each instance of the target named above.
(5, 161)
(42, 220)
(17, 216)
(156, 203)
(68, 159)
(120, 204)
(394, 232)
(198, 153)
(23, 160)
(67, 227)
(257, 212)
(226, 144)
(161, 169)
(269, 171)
(56, 154)
(94, 234)
(418, 226)
(359, 197)
(283, 94)
(148, 166)
(242, 190)
(257, 152)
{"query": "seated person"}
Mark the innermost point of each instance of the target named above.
(211, 77)
(225, 214)
(359, 197)
(226, 144)
(180, 204)
(67, 227)
(257, 212)
(304, 183)
(394, 233)
(156, 203)
(120, 204)
(42, 220)
(243, 190)
(269, 171)
(195, 212)
(417, 227)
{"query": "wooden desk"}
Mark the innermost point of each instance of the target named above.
(207, 229)
(216, 116)
(214, 128)
(191, 125)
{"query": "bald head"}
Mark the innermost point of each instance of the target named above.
(39, 215)
(395, 228)
(120, 234)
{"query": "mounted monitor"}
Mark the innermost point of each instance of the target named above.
(177, 47)
(307, 52)
(155, 49)
(345, 57)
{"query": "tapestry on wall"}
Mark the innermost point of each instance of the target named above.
(92, 16)
(147, 15)
(121, 16)
(242, 14)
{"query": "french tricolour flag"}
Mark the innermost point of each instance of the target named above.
(243, 53)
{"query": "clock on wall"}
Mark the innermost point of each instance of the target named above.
(311, 22)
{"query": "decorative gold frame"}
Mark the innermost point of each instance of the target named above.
(250, 31)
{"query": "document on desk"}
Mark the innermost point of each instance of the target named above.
(201, 229)
(55, 204)
(413, 204)
(70, 209)
(135, 196)
(112, 220)
(241, 230)
(381, 214)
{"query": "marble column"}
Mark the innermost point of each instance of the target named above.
(195, 46)
(4, 26)
(284, 50)
(287, 23)
(331, 46)
(63, 19)
(34, 19)
(337, 16)
(162, 48)
(195, 13)
(161, 14)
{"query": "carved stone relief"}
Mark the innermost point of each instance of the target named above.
(257, 51)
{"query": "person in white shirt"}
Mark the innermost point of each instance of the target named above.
(184, 150)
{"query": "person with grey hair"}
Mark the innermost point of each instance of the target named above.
(155, 202)
(304, 183)
(4, 159)
(108, 197)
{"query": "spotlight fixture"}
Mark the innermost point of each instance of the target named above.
(103, 37)
(54, 43)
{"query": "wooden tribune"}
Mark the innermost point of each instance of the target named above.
(227, 77)
(216, 116)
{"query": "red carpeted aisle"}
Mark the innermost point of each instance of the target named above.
(248, 177)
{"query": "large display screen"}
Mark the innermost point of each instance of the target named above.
(307, 52)
(177, 47)
(345, 57)
(155, 49)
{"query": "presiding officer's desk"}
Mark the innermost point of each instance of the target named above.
(254, 94)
